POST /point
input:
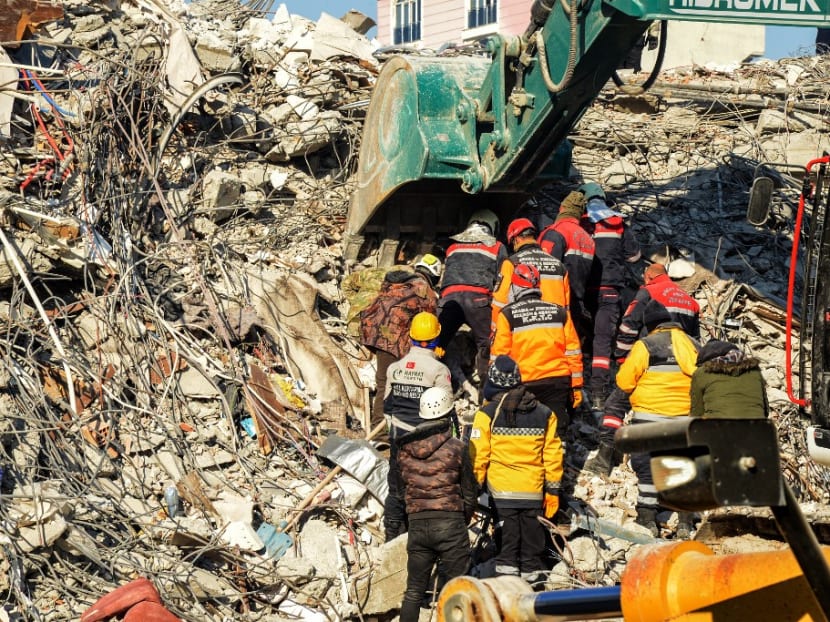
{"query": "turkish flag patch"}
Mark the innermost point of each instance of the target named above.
(410, 365)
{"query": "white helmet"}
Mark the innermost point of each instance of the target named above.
(435, 403)
(429, 264)
(485, 217)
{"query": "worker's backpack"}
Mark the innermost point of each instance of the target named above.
(384, 324)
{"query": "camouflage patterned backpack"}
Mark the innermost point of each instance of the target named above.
(384, 324)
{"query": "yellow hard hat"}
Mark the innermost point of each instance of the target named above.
(425, 327)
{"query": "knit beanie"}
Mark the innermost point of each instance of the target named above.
(503, 375)
(655, 314)
(572, 206)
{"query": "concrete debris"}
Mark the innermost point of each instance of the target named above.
(177, 343)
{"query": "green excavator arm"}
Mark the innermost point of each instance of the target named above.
(447, 135)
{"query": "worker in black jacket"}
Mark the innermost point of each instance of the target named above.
(470, 269)
(614, 246)
(440, 493)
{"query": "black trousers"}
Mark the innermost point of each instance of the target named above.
(522, 541)
(430, 540)
(394, 507)
(383, 359)
(555, 393)
(473, 310)
(606, 312)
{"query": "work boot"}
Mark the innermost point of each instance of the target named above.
(647, 517)
(685, 525)
(601, 462)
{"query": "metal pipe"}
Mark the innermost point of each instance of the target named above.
(595, 603)
(805, 548)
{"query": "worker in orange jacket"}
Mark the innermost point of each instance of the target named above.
(554, 283)
(534, 334)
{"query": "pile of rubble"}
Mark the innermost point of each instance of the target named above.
(177, 375)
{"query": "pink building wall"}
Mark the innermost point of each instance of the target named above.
(514, 16)
(443, 21)
(446, 20)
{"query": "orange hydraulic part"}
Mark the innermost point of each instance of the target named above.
(687, 582)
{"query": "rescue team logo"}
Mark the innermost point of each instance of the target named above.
(410, 375)
(475, 433)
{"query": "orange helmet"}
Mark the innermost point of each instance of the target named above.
(519, 226)
(525, 275)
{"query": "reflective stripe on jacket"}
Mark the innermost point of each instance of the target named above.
(614, 246)
(577, 253)
(472, 265)
(554, 283)
(682, 309)
(520, 461)
(657, 374)
(540, 337)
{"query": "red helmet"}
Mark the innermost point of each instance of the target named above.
(525, 275)
(520, 225)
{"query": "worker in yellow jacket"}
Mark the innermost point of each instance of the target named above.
(517, 454)
(655, 381)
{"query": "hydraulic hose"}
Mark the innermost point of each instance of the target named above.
(639, 89)
(539, 37)
(788, 346)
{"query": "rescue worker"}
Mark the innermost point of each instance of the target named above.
(407, 379)
(534, 334)
(566, 240)
(384, 324)
(727, 384)
(654, 381)
(615, 245)
(554, 284)
(440, 498)
(517, 454)
(470, 268)
(658, 287)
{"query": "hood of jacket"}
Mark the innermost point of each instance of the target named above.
(731, 368)
(400, 276)
(427, 438)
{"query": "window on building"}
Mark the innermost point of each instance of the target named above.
(481, 13)
(407, 21)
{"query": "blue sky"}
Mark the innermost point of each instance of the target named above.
(781, 41)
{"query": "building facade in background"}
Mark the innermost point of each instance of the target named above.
(429, 24)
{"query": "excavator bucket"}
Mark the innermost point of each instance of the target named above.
(446, 135)
(419, 141)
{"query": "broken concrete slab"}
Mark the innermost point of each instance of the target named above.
(332, 38)
(383, 590)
